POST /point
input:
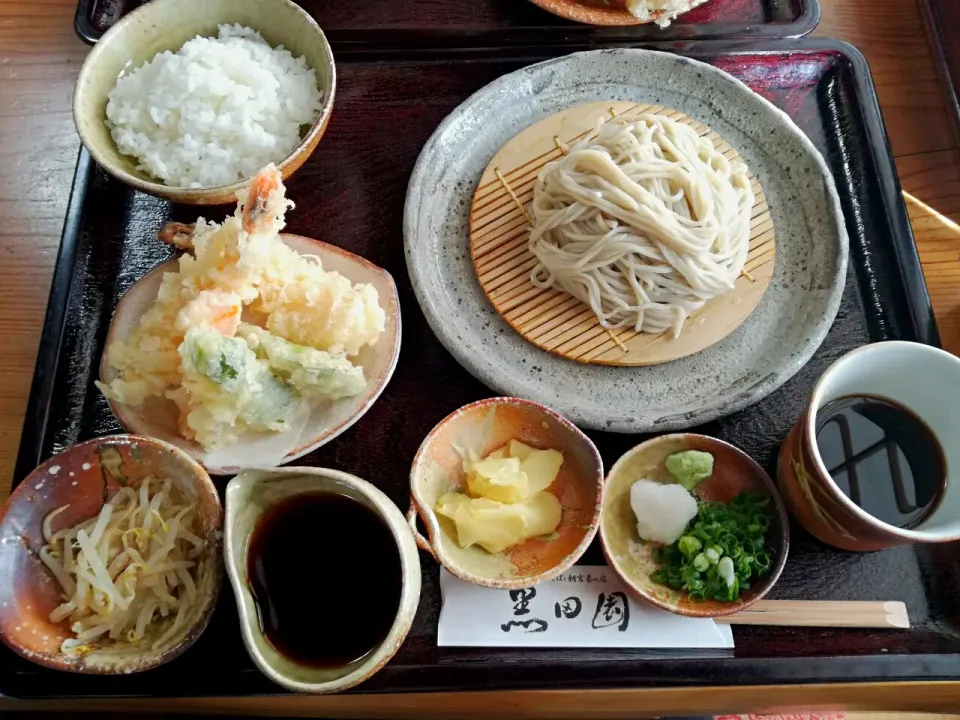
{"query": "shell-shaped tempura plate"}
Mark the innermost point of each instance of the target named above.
(158, 417)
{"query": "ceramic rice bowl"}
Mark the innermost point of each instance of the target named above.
(162, 25)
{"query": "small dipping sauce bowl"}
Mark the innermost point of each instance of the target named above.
(733, 472)
(83, 477)
(924, 381)
(481, 428)
(250, 496)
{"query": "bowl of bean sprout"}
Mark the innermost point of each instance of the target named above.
(110, 557)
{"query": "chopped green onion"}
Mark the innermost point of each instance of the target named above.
(725, 571)
(721, 551)
(689, 545)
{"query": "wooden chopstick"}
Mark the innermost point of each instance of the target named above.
(822, 613)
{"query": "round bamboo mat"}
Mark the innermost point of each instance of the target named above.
(556, 321)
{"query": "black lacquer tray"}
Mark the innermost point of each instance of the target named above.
(351, 193)
(472, 23)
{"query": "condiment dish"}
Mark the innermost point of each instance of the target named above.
(83, 477)
(481, 428)
(248, 496)
(633, 559)
(166, 25)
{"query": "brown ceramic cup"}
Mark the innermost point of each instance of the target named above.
(922, 379)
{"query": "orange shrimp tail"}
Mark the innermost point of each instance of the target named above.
(262, 207)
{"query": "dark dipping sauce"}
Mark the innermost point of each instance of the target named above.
(883, 457)
(326, 578)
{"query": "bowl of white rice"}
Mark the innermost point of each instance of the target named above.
(188, 99)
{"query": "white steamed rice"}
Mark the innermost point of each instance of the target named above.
(214, 112)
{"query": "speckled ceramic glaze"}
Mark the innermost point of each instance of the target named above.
(633, 559)
(480, 428)
(772, 344)
(82, 477)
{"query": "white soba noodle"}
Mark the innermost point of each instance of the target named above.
(643, 220)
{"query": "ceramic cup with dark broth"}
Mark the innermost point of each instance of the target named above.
(873, 461)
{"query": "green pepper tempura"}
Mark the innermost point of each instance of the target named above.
(720, 552)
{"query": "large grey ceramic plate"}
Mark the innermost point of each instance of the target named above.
(765, 351)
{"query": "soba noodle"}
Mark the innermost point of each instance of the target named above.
(643, 220)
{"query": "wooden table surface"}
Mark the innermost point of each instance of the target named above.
(39, 60)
